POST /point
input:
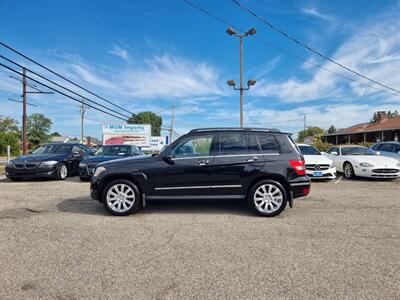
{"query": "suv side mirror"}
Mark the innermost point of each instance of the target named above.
(168, 159)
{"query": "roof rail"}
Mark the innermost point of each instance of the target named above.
(234, 129)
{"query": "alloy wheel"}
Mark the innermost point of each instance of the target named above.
(268, 198)
(120, 197)
(63, 171)
(348, 170)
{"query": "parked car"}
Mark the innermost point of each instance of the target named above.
(261, 165)
(353, 160)
(318, 166)
(391, 149)
(105, 153)
(57, 160)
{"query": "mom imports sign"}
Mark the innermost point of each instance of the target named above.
(132, 134)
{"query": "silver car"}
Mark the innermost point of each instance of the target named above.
(391, 149)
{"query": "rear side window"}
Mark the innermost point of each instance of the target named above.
(233, 143)
(268, 143)
(386, 147)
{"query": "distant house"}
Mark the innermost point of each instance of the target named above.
(91, 141)
(88, 140)
(384, 129)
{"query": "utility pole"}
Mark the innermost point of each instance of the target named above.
(232, 32)
(83, 111)
(24, 144)
(171, 130)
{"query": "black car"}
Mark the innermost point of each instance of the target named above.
(261, 165)
(49, 160)
(106, 153)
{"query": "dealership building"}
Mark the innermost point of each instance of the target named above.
(384, 129)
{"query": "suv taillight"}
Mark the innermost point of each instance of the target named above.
(299, 166)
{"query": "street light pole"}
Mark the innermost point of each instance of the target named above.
(24, 145)
(232, 32)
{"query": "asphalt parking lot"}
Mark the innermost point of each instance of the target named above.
(342, 241)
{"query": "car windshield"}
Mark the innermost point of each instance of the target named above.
(309, 150)
(357, 151)
(53, 149)
(114, 151)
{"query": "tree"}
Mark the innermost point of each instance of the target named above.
(148, 117)
(311, 131)
(38, 129)
(332, 129)
(55, 133)
(9, 136)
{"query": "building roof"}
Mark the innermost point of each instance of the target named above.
(384, 124)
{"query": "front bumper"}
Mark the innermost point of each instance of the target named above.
(83, 173)
(326, 174)
(38, 172)
(300, 186)
(95, 189)
(382, 173)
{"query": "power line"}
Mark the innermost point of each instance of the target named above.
(269, 24)
(63, 77)
(60, 92)
(61, 86)
(286, 51)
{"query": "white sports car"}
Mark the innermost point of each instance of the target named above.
(353, 160)
(318, 166)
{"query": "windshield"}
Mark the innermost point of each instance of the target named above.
(357, 151)
(309, 150)
(114, 151)
(53, 149)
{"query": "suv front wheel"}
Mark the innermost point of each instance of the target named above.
(268, 198)
(121, 197)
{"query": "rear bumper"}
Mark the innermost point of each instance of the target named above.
(300, 186)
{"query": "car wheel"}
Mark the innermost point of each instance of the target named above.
(121, 197)
(268, 198)
(62, 172)
(348, 170)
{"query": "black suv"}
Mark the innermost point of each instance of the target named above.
(261, 165)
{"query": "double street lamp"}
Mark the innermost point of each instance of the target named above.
(250, 82)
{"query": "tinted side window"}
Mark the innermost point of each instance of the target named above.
(386, 147)
(268, 143)
(193, 146)
(233, 143)
(253, 147)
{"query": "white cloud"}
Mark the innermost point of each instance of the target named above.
(118, 51)
(372, 50)
(314, 12)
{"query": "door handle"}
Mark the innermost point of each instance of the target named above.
(251, 159)
(201, 163)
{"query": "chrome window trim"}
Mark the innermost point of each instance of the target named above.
(227, 155)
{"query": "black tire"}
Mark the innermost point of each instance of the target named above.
(348, 171)
(62, 172)
(115, 186)
(274, 204)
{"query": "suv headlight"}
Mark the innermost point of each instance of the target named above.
(367, 165)
(9, 164)
(98, 171)
(82, 164)
(49, 163)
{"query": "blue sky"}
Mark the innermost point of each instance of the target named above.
(148, 55)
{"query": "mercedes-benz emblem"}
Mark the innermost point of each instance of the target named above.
(317, 167)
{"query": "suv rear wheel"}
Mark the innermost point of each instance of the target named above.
(121, 197)
(268, 198)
